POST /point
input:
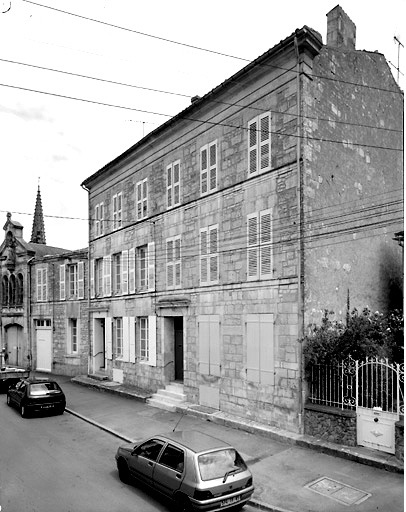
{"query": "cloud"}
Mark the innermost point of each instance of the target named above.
(27, 114)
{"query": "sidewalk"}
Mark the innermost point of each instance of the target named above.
(292, 473)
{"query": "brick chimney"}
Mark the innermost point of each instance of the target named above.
(340, 29)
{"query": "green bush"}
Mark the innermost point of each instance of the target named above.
(365, 334)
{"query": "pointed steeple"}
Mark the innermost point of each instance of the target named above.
(38, 227)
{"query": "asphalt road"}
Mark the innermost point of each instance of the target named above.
(62, 464)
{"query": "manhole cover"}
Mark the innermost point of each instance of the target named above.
(342, 493)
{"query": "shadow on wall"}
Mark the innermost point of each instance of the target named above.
(391, 277)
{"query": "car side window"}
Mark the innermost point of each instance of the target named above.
(150, 449)
(21, 389)
(173, 457)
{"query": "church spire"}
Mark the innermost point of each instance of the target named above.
(38, 227)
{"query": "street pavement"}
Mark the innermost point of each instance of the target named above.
(292, 473)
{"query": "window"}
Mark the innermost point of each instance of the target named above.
(131, 270)
(142, 199)
(209, 344)
(42, 281)
(209, 257)
(173, 262)
(146, 329)
(98, 277)
(144, 349)
(76, 281)
(117, 273)
(259, 245)
(12, 290)
(173, 458)
(117, 211)
(118, 337)
(145, 266)
(150, 449)
(260, 348)
(259, 144)
(106, 276)
(99, 219)
(208, 168)
(173, 184)
(72, 336)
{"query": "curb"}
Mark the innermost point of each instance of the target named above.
(254, 503)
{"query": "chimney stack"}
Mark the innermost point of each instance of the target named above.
(341, 29)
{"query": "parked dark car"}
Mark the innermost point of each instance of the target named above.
(195, 470)
(36, 395)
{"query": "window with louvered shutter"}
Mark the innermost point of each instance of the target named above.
(264, 142)
(252, 243)
(213, 165)
(203, 171)
(265, 243)
(62, 284)
(169, 263)
(259, 144)
(124, 272)
(213, 251)
(176, 183)
(97, 221)
(131, 270)
(203, 256)
(115, 211)
(81, 280)
(142, 199)
(101, 218)
(177, 259)
(252, 148)
(107, 276)
(169, 185)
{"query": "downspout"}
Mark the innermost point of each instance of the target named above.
(89, 358)
(29, 320)
(300, 248)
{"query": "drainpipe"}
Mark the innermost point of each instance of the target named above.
(300, 247)
(29, 319)
(89, 358)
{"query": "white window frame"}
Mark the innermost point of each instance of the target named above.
(99, 219)
(73, 336)
(117, 211)
(118, 337)
(259, 144)
(209, 255)
(259, 245)
(147, 339)
(173, 184)
(173, 262)
(73, 280)
(208, 168)
(117, 273)
(142, 199)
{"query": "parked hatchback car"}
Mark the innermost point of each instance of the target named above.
(195, 470)
(36, 395)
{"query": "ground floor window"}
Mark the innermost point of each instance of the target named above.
(118, 336)
(72, 336)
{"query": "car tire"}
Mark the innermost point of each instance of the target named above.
(8, 400)
(182, 504)
(23, 411)
(123, 472)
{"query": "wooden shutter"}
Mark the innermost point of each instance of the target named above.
(176, 183)
(177, 261)
(265, 142)
(213, 254)
(131, 327)
(204, 178)
(101, 216)
(203, 256)
(151, 266)
(39, 284)
(253, 348)
(109, 338)
(97, 222)
(260, 348)
(92, 288)
(131, 270)
(204, 345)
(252, 147)
(124, 272)
(213, 165)
(169, 185)
(45, 284)
(152, 340)
(115, 212)
(252, 246)
(144, 198)
(81, 280)
(266, 243)
(126, 339)
(169, 264)
(209, 344)
(62, 282)
(214, 345)
(139, 200)
(106, 276)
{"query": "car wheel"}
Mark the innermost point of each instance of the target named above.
(182, 504)
(23, 411)
(123, 472)
(8, 400)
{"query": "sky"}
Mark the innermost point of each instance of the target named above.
(57, 128)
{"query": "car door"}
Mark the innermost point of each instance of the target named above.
(169, 470)
(18, 393)
(142, 460)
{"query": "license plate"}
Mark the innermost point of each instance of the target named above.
(46, 406)
(230, 501)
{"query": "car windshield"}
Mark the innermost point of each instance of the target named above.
(217, 464)
(44, 388)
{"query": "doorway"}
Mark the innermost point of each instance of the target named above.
(178, 346)
(14, 338)
(99, 344)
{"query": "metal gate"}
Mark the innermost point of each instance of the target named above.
(379, 401)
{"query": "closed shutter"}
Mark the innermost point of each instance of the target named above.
(97, 221)
(169, 264)
(124, 272)
(252, 147)
(44, 284)
(204, 346)
(126, 339)
(204, 187)
(265, 142)
(101, 228)
(131, 326)
(209, 344)
(213, 165)
(81, 280)
(92, 288)
(213, 257)
(109, 338)
(252, 246)
(177, 257)
(62, 284)
(39, 284)
(265, 243)
(169, 185)
(203, 256)
(176, 183)
(260, 348)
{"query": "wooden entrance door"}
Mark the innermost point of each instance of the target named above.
(178, 328)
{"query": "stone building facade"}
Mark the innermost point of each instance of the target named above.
(220, 235)
(44, 309)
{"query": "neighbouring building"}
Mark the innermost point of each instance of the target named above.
(217, 238)
(43, 315)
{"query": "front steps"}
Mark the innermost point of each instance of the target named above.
(98, 375)
(169, 398)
